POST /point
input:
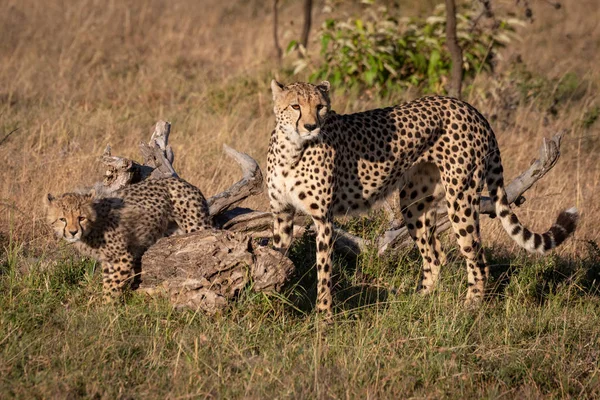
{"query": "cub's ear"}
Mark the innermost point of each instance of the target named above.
(48, 199)
(92, 194)
(324, 86)
(277, 88)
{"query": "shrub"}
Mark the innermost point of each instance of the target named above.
(383, 52)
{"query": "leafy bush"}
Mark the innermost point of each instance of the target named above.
(383, 52)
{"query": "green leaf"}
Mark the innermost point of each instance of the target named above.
(291, 46)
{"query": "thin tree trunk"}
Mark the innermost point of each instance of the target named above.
(455, 50)
(278, 49)
(307, 22)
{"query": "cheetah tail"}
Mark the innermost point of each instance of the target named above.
(533, 242)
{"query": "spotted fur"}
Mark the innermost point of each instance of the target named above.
(118, 230)
(433, 148)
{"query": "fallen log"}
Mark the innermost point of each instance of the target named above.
(205, 270)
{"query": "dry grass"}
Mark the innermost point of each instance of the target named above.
(77, 76)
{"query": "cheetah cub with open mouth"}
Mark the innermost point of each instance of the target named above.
(431, 149)
(118, 230)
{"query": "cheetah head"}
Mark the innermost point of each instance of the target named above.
(71, 215)
(300, 108)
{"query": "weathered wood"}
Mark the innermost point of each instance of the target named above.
(158, 154)
(206, 269)
(549, 154)
(119, 172)
(158, 163)
(251, 183)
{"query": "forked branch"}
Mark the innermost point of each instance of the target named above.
(251, 183)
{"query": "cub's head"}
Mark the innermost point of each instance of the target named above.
(71, 215)
(300, 108)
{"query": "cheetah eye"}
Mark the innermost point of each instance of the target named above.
(81, 219)
(63, 220)
(320, 107)
(295, 106)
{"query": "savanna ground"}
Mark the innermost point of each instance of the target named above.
(75, 76)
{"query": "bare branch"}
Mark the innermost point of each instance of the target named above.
(158, 158)
(119, 172)
(5, 138)
(158, 154)
(549, 154)
(250, 184)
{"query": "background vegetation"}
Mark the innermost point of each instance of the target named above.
(381, 51)
(75, 76)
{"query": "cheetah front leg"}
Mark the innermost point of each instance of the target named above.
(283, 228)
(324, 265)
(116, 276)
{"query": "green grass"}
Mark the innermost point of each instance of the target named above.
(536, 336)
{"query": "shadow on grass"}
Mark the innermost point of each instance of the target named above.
(548, 275)
(353, 289)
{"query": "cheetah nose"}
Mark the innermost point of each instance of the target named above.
(310, 127)
(73, 233)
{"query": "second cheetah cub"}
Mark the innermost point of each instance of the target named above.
(118, 230)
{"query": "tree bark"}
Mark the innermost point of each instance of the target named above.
(455, 51)
(205, 270)
(278, 50)
(308, 5)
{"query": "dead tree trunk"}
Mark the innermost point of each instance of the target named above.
(278, 49)
(455, 51)
(308, 5)
(204, 270)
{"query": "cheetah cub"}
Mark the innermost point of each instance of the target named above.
(431, 149)
(118, 230)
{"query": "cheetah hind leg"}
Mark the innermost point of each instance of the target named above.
(418, 200)
(464, 215)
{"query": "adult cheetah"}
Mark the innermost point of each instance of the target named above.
(326, 164)
(118, 230)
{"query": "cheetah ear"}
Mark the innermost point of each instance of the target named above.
(48, 199)
(324, 86)
(276, 88)
(92, 194)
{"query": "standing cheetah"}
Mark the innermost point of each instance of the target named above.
(118, 230)
(325, 164)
